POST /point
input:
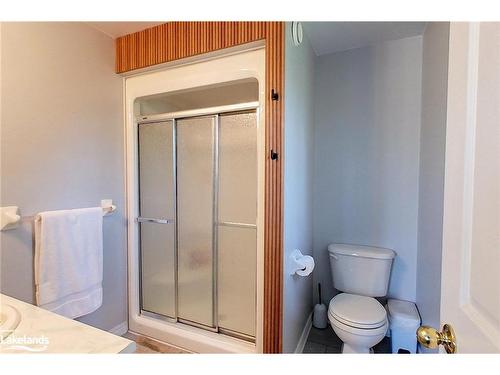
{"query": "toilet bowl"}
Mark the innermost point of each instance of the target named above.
(359, 321)
(361, 273)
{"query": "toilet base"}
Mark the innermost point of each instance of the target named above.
(348, 349)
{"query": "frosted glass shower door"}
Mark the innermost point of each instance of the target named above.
(198, 221)
(157, 214)
(195, 228)
(237, 229)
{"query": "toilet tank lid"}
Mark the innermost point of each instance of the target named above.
(361, 251)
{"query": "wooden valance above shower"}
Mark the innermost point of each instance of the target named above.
(177, 40)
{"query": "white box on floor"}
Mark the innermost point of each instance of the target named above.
(404, 321)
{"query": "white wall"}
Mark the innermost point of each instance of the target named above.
(432, 153)
(367, 131)
(299, 154)
(61, 146)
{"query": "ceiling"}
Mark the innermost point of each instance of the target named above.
(325, 37)
(329, 37)
(116, 29)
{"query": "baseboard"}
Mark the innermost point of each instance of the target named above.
(120, 329)
(305, 334)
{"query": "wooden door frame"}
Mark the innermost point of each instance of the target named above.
(178, 40)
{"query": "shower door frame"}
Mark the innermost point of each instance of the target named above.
(170, 43)
(174, 117)
(246, 62)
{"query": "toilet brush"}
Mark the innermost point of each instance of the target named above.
(319, 316)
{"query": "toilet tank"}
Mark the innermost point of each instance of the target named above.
(362, 270)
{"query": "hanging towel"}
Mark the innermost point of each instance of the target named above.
(68, 261)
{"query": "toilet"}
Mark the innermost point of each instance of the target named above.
(360, 273)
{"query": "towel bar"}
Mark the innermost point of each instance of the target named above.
(10, 219)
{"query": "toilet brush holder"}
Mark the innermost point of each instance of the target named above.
(319, 316)
(320, 313)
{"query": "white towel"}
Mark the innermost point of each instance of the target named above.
(68, 261)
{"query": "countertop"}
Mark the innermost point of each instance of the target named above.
(41, 331)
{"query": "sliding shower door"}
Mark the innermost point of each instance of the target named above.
(237, 229)
(195, 202)
(198, 221)
(157, 213)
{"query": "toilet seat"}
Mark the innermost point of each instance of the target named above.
(358, 312)
(356, 331)
(356, 325)
(358, 322)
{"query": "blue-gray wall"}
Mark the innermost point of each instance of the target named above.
(299, 154)
(432, 153)
(367, 135)
(62, 140)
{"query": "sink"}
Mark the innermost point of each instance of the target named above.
(9, 319)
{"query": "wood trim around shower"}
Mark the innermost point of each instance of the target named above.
(177, 40)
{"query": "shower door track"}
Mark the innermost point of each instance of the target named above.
(174, 116)
(198, 112)
(226, 332)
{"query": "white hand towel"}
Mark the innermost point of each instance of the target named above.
(68, 261)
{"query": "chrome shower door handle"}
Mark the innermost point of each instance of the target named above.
(153, 220)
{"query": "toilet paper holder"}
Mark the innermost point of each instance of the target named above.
(297, 265)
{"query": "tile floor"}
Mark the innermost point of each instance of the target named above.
(145, 345)
(326, 341)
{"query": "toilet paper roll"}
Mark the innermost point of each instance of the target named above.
(306, 265)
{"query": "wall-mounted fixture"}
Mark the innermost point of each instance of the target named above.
(10, 219)
(107, 207)
(301, 264)
(297, 33)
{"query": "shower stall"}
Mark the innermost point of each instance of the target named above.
(198, 218)
(195, 186)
